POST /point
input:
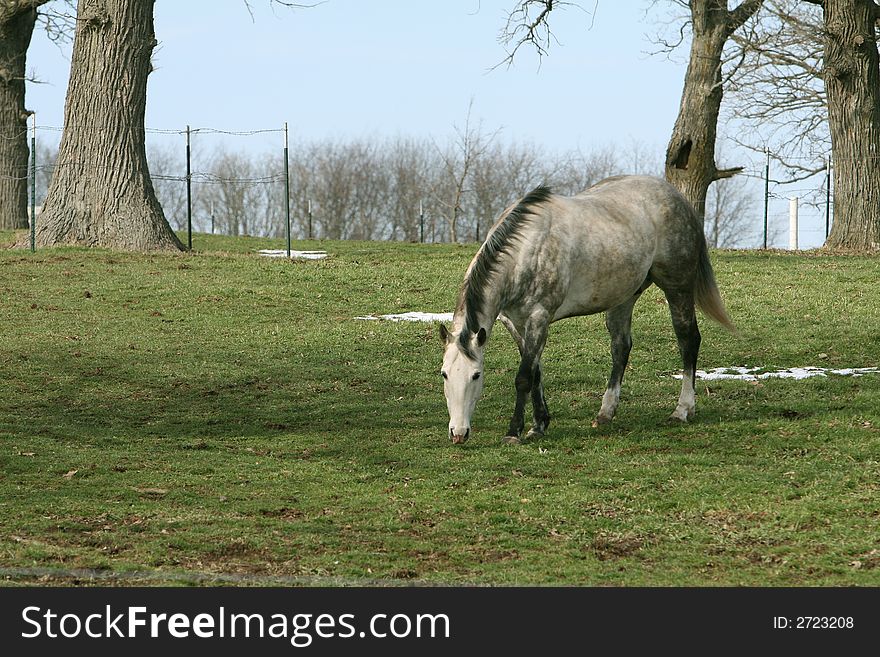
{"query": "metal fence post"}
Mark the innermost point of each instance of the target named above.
(189, 227)
(827, 196)
(287, 189)
(766, 195)
(34, 183)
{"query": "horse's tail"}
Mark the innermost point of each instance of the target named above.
(706, 291)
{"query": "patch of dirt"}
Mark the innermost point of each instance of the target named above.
(599, 510)
(867, 561)
(616, 546)
(284, 513)
(235, 548)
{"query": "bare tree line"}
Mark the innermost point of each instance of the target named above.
(401, 188)
(395, 188)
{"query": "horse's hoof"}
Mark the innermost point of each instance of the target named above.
(600, 420)
(676, 420)
(512, 440)
(533, 434)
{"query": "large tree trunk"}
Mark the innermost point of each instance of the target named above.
(690, 157)
(101, 193)
(852, 85)
(16, 27)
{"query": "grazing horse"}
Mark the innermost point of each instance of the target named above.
(549, 257)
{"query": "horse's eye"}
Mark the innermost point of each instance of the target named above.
(444, 375)
(475, 376)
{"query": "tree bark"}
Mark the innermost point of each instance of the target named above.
(690, 157)
(852, 84)
(101, 193)
(16, 27)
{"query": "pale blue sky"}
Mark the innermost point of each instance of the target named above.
(352, 68)
(362, 68)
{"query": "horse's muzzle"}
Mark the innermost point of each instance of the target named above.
(459, 440)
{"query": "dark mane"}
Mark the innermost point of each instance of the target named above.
(498, 242)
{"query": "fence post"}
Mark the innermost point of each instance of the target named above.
(766, 195)
(793, 223)
(827, 196)
(421, 223)
(189, 226)
(287, 189)
(34, 183)
(310, 218)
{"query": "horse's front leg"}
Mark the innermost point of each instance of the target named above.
(531, 342)
(541, 416)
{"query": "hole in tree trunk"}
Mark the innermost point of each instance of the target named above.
(683, 155)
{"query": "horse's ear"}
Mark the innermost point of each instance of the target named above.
(481, 337)
(444, 333)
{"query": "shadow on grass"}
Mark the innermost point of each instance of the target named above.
(114, 398)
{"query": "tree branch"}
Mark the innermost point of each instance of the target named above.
(742, 13)
(284, 3)
(721, 174)
(522, 29)
(11, 8)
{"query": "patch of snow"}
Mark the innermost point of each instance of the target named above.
(798, 373)
(303, 255)
(412, 317)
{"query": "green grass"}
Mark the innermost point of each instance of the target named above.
(221, 413)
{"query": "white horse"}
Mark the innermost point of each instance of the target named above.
(549, 257)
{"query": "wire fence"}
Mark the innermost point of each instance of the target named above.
(266, 201)
(807, 200)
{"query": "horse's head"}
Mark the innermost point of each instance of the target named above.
(462, 373)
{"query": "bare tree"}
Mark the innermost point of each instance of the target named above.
(727, 210)
(503, 173)
(577, 170)
(470, 144)
(101, 193)
(333, 189)
(17, 20)
(46, 156)
(236, 182)
(777, 93)
(371, 185)
(690, 156)
(408, 164)
(852, 85)
(302, 189)
(272, 221)
(168, 173)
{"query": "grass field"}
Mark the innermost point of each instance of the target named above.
(199, 417)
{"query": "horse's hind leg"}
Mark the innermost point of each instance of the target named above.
(684, 321)
(618, 321)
